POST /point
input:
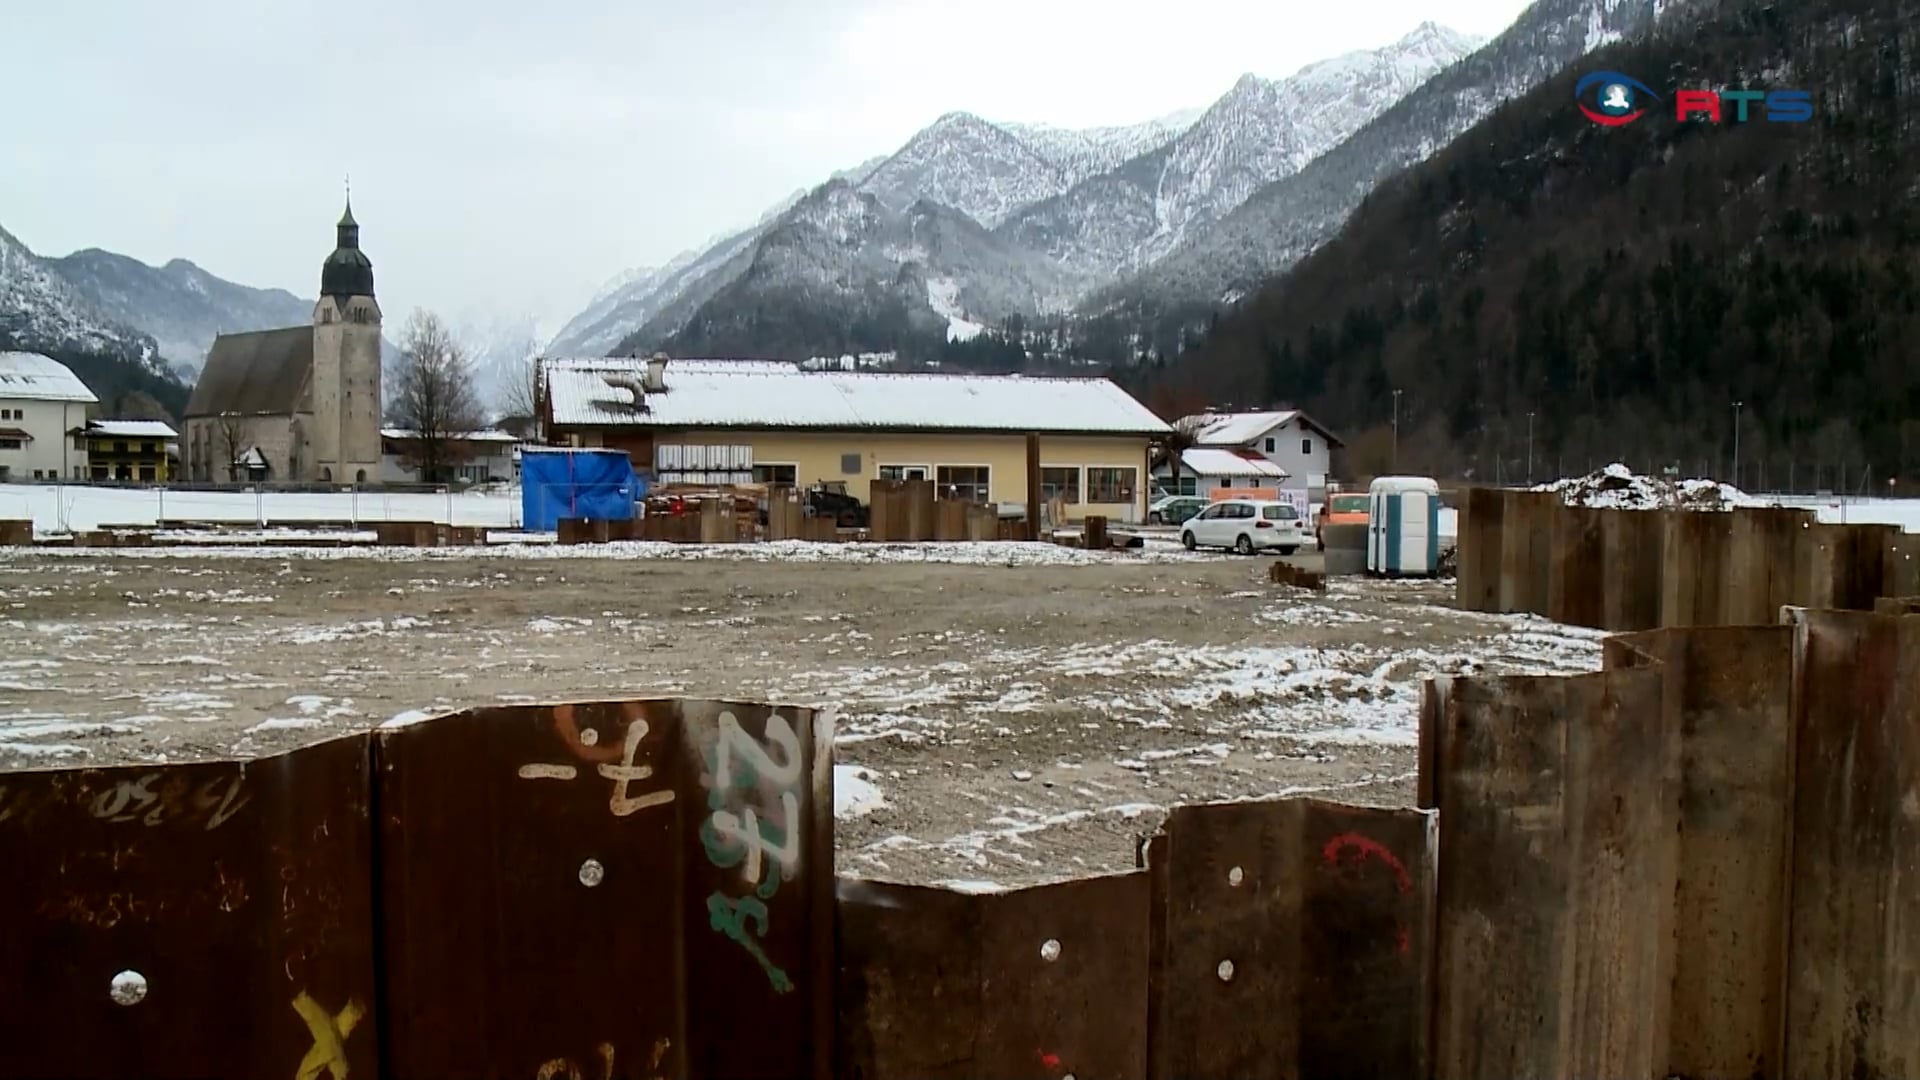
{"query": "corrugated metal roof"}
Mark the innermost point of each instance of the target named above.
(489, 435)
(33, 377)
(1204, 461)
(133, 429)
(769, 394)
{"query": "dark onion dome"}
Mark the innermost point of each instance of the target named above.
(348, 271)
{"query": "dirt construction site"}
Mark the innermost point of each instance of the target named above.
(1006, 713)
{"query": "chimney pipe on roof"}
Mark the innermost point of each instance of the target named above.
(656, 378)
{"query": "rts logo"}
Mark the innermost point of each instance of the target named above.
(1614, 106)
(1615, 103)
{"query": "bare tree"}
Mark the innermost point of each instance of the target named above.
(434, 395)
(518, 394)
(228, 430)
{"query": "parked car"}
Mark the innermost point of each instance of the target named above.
(1340, 510)
(1174, 509)
(1246, 526)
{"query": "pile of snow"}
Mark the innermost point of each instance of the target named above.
(1617, 488)
(854, 792)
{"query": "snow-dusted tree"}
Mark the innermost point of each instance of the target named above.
(434, 396)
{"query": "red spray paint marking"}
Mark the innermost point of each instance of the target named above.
(1051, 1061)
(1366, 847)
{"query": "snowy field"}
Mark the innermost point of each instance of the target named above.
(1002, 719)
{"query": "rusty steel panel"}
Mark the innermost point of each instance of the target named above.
(1729, 695)
(1526, 550)
(1477, 584)
(191, 921)
(1313, 917)
(1556, 796)
(1433, 712)
(1693, 556)
(1845, 565)
(1765, 567)
(608, 889)
(1039, 983)
(1900, 565)
(1853, 996)
(1578, 579)
(1631, 551)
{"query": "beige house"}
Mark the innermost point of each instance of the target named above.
(301, 403)
(719, 421)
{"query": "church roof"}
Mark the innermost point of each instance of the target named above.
(263, 373)
(348, 271)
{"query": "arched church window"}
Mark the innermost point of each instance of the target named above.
(326, 474)
(360, 476)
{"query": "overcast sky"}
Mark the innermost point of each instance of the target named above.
(512, 156)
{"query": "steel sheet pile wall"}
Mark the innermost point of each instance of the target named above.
(1628, 570)
(1691, 864)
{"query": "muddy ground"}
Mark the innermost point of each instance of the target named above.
(1019, 723)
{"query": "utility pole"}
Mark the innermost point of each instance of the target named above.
(1529, 448)
(1736, 442)
(1396, 431)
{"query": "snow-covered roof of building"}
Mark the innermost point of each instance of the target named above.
(1207, 461)
(775, 394)
(489, 435)
(33, 377)
(1239, 429)
(133, 429)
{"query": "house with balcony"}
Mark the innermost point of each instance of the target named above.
(136, 450)
(1299, 447)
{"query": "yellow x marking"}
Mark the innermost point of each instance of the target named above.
(329, 1053)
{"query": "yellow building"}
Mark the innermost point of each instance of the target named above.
(129, 449)
(729, 421)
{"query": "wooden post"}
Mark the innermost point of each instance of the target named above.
(1033, 486)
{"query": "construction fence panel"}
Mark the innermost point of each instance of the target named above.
(1853, 996)
(1693, 554)
(1553, 796)
(1632, 552)
(1314, 917)
(1578, 579)
(1480, 530)
(1526, 550)
(1033, 984)
(604, 889)
(189, 921)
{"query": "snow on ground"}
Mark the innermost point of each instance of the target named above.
(943, 295)
(982, 553)
(854, 792)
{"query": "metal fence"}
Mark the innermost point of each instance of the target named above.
(1688, 864)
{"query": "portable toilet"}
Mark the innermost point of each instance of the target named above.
(1403, 526)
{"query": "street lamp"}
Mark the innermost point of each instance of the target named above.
(1529, 448)
(1396, 431)
(1736, 442)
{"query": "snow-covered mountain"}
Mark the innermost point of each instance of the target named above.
(182, 306)
(1290, 217)
(1087, 205)
(40, 309)
(842, 266)
(1261, 130)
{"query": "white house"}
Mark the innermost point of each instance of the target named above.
(41, 400)
(1204, 467)
(1299, 445)
(482, 456)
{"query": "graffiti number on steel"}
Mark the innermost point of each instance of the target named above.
(565, 1069)
(622, 774)
(754, 820)
(139, 800)
(329, 1031)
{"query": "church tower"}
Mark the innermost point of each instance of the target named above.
(346, 365)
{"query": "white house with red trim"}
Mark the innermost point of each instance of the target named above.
(1296, 445)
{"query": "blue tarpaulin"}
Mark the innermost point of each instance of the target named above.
(592, 485)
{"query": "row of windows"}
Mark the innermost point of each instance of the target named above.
(13, 414)
(1306, 445)
(975, 482)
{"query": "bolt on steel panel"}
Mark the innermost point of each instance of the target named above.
(194, 921)
(1041, 983)
(608, 889)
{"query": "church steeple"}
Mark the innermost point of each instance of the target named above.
(348, 271)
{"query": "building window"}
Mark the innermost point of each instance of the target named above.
(79, 442)
(776, 474)
(146, 448)
(119, 447)
(1306, 446)
(1060, 482)
(1186, 485)
(1110, 485)
(850, 464)
(9, 444)
(146, 472)
(968, 482)
(1269, 444)
(903, 472)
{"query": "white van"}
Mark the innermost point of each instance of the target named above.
(1246, 526)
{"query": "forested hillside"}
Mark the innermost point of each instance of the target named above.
(1626, 285)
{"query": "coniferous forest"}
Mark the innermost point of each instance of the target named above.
(1618, 290)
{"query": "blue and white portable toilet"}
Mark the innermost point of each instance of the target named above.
(1403, 526)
